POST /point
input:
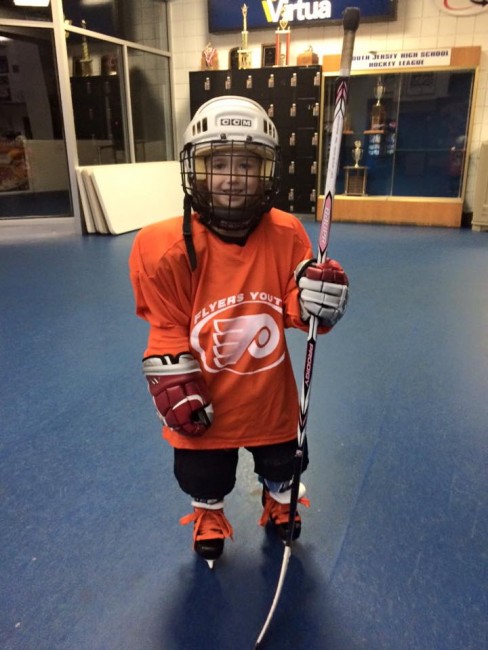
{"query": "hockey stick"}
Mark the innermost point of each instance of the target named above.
(350, 24)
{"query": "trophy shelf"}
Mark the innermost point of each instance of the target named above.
(396, 210)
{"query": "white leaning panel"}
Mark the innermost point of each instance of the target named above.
(85, 202)
(96, 209)
(134, 195)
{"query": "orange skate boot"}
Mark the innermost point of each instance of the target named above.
(210, 529)
(277, 511)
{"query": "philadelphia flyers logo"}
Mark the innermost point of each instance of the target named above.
(234, 340)
(462, 7)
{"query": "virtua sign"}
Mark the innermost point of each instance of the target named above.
(226, 15)
(296, 11)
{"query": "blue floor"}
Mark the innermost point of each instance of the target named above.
(394, 549)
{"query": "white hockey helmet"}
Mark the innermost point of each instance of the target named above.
(235, 129)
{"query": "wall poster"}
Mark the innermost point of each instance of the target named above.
(14, 175)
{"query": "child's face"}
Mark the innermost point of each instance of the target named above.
(233, 179)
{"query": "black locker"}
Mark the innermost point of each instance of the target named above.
(97, 108)
(291, 97)
(205, 86)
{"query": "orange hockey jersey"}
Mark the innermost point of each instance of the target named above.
(231, 313)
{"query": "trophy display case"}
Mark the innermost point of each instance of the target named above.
(291, 95)
(405, 138)
(410, 140)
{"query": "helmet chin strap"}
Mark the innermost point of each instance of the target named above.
(232, 219)
(232, 230)
(223, 234)
(190, 248)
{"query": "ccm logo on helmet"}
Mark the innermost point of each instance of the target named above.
(235, 121)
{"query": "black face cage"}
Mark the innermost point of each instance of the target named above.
(239, 203)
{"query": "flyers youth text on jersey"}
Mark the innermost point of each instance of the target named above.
(231, 313)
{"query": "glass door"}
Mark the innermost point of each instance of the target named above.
(34, 178)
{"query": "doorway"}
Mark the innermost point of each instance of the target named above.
(34, 179)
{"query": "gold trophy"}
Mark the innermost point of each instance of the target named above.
(244, 53)
(378, 113)
(357, 152)
(355, 175)
(284, 30)
(85, 63)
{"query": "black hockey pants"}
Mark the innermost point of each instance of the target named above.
(211, 474)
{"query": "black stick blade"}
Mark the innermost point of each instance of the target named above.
(351, 19)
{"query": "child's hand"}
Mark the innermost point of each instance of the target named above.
(323, 290)
(179, 393)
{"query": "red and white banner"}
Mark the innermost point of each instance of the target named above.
(462, 7)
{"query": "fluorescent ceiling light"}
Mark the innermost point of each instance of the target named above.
(31, 3)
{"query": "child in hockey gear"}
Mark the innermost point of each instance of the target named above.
(218, 287)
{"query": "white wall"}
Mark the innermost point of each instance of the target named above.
(419, 24)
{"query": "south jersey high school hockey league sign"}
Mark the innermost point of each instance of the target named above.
(226, 15)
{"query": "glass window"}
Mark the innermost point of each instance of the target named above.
(9, 10)
(151, 106)
(96, 16)
(139, 21)
(144, 22)
(432, 133)
(97, 92)
(33, 165)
